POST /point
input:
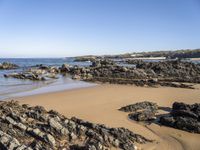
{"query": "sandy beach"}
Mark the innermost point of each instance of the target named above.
(100, 104)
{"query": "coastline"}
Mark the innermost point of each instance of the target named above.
(43, 88)
(100, 104)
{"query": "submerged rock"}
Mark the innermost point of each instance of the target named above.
(25, 127)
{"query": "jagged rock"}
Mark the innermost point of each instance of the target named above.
(167, 73)
(140, 106)
(65, 68)
(178, 70)
(144, 74)
(8, 65)
(24, 127)
(76, 77)
(145, 115)
(164, 73)
(183, 116)
(142, 111)
(25, 75)
(7, 142)
(37, 74)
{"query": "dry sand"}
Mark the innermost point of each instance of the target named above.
(100, 104)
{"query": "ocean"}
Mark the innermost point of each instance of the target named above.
(10, 87)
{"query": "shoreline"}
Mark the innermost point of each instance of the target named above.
(45, 88)
(100, 104)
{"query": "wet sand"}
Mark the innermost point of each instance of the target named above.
(100, 104)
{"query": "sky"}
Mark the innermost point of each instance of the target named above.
(62, 28)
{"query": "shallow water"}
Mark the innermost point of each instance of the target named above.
(10, 87)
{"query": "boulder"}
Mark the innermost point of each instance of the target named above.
(65, 68)
(140, 106)
(184, 117)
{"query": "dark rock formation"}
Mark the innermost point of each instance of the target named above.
(183, 116)
(140, 106)
(25, 127)
(169, 73)
(65, 68)
(143, 111)
(145, 115)
(8, 65)
(176, 70)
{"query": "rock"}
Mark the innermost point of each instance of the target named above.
(65, 68)
(38, 73)
(184, 117)
(140, 106)
(179, 70)
(116, 143)
(72, 136)
(25, 75)
(146, 115)
(8, 65)
(142, 111)
(50, 139)
(76, 77)
(180, 106)
(166, 73)
(8, 142)
(167, 120)
(25, 127)
(184, 113)
(55, 124)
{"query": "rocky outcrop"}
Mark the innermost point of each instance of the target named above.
(38, 73)
(65, 68)
(25, 127)
(184, 117)
(49, 69)
(143, 111)
(8, 65)
(140, 106)
(179, 71)
(166, 73)
(25, 75)
(172, 73)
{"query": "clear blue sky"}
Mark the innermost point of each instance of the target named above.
(54, 28)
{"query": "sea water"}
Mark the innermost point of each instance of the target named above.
(10, 87)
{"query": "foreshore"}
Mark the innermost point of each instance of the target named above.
(100, 104)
